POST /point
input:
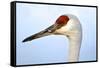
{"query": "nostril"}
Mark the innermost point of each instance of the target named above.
(49, 31)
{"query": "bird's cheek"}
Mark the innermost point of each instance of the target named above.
(60, 32)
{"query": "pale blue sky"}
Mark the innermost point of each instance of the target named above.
(32, 18)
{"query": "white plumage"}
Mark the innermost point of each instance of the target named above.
(67, 25)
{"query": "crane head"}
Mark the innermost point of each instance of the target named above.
(64, 25)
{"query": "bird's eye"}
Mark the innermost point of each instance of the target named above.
(67, 35)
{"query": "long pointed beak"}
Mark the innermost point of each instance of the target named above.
(43, 33)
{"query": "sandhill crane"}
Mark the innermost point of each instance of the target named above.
(69, 26)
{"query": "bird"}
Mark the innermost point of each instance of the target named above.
(69, 26)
